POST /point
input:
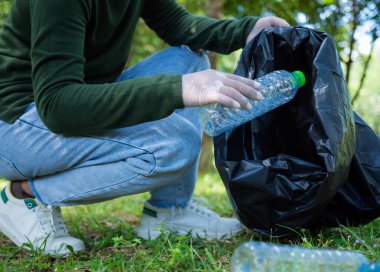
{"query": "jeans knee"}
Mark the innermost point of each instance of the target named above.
(197, 59)
(143, 164)
(190, 148)
(182, 153)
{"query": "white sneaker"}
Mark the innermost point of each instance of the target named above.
(25, 221)
(194, 219)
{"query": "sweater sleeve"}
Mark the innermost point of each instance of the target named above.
(177, 26)
(66, 104)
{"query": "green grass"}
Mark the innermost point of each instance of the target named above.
(108, 231)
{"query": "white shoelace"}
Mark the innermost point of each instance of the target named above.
(199, 205)
(51, 220)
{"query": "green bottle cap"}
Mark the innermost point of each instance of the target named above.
(300, 78)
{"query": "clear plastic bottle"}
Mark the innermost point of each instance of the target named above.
(372, 267)
(277, 88)
(267, 257)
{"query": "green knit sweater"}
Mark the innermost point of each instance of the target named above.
(66, 54)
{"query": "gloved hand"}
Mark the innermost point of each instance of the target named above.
(266, 22)
(210, 86)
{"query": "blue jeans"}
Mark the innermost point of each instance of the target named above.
(159, 156)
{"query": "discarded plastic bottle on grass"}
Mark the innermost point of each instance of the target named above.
(372, 267)
(277, 88)
(267, 257)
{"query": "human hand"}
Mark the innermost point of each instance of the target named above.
(210, 86)
(266, 22)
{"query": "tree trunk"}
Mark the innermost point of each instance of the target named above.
(214, 9)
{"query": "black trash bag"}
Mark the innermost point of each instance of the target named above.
(291, 167)
(358, 200)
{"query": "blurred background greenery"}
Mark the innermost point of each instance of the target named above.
(354, 25)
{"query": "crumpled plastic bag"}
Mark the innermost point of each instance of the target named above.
(302, 165)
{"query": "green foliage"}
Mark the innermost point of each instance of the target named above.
(368, 104)
(5, 6)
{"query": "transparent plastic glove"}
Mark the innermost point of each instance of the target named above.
(210, 86)
(266, 22)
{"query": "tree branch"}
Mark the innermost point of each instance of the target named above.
(364, 72)
(355, 23)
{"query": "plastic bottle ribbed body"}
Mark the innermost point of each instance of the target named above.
(266, 257)
(277, 88)
(371, 267)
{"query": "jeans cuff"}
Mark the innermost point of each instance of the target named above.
(35, 193)
(160, 204)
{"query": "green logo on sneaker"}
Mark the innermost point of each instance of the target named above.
(149, 212)
(30, 203)
(4, 196)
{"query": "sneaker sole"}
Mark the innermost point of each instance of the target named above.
(154, 234)
(64, 252)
